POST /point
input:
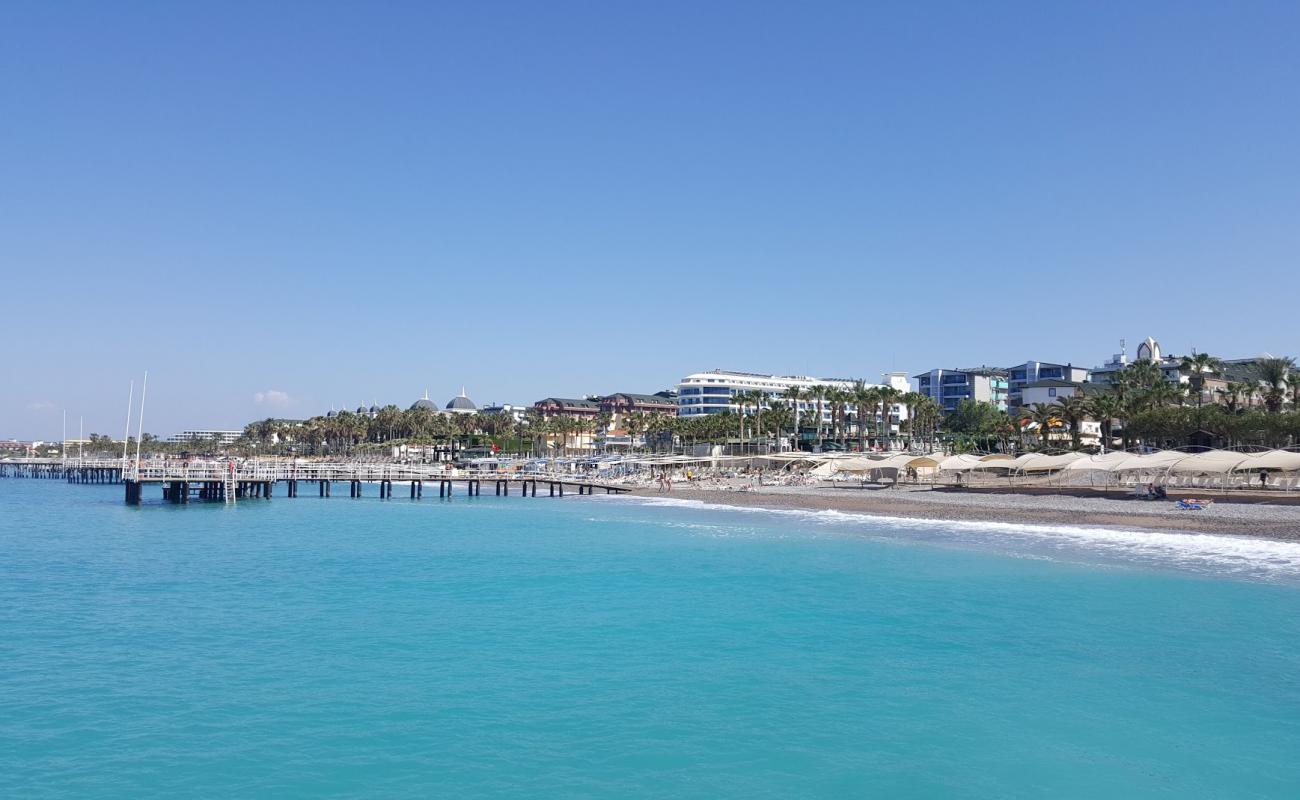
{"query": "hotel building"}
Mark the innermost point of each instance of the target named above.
(222, 437)
(714, 392)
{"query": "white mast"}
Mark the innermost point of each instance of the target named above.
(130, 398)
(63, 449)
(140, 430)
(81, 440)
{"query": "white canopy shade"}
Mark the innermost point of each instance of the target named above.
(1107, 462)
(1285, 460)
(1213, 461)
(959, 462)
(1038, 462)
(1161, 459)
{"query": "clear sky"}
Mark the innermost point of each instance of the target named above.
(326, 203)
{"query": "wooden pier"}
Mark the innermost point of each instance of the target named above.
(231, 481)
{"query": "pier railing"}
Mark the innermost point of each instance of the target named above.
(255, 470)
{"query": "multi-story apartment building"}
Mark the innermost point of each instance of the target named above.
(714, 392)
(948, 387)
(567, 407)
(628, 402)
(1020, 376)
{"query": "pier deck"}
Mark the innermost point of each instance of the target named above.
(229, 481)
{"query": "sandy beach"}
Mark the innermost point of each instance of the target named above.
(1239, 519)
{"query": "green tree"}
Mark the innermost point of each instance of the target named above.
(974, 421)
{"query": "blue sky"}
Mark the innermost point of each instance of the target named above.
(346, 202)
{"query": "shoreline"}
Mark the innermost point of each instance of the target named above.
(1225, 519)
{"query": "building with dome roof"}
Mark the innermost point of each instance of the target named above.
(425, 403)
(461, 404)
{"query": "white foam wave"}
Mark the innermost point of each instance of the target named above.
(1243, 555)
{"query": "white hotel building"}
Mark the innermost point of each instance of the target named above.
(714, 392)
(222, 437)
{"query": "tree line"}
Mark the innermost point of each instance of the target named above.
(1141, 406)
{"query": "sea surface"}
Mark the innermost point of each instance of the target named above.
(601, 647)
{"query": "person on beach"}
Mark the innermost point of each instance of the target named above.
(661, 481)
(1263, 480)
(669, 478)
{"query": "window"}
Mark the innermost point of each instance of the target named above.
(1051, 392)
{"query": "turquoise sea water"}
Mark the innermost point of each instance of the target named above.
(594, 647)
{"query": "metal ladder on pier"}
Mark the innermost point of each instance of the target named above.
(229, 492)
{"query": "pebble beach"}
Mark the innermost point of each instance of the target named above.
(1281, 522)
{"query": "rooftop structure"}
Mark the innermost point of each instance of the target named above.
(461, 404)
(425, 403)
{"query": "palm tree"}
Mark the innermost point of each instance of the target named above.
(741, 399)
(1293, 381)
(1272, 373)
(837, 398)
(864, 397)
(1105, 408)
(1162, 394)
(909, 401)
(1142, 374)
(779, 416)
(1047, 416)
(758, 399)
(793, 395)
(818, 392)
(634, 424)
(1199, 367)
(1075, 410)
(886, 396)
(922, 420)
